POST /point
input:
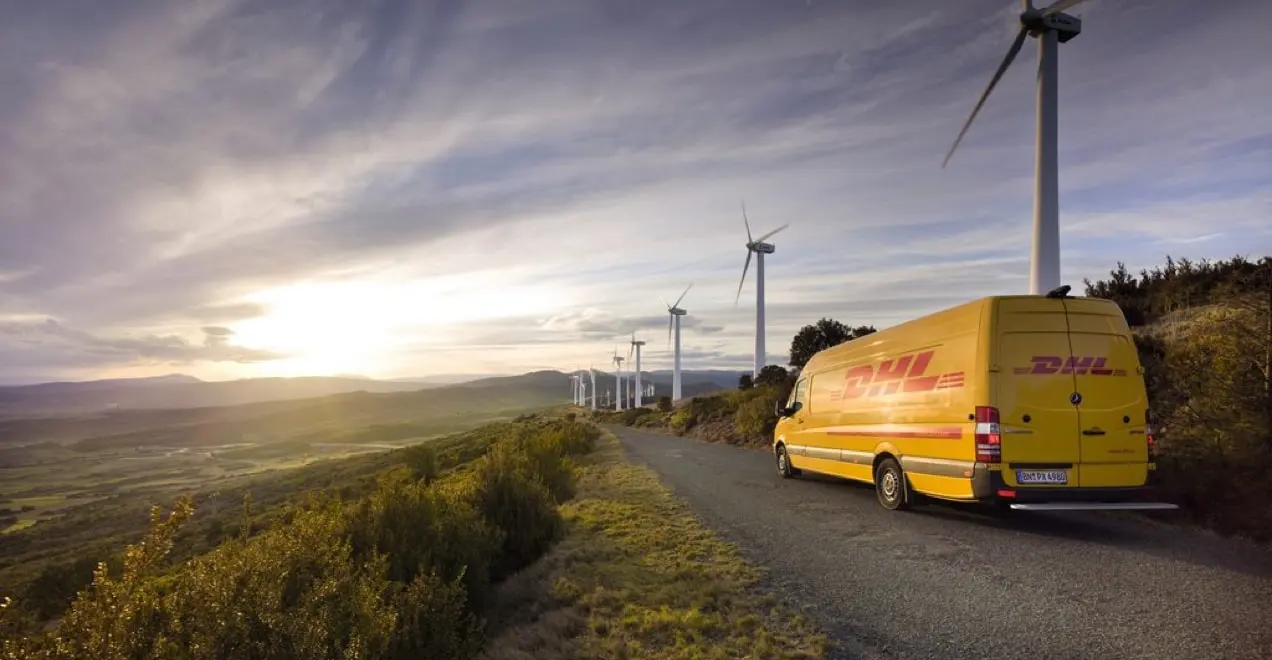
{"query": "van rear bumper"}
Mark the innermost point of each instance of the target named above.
(987, 483)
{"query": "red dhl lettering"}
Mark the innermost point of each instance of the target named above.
(900, 374)
(1045, 365)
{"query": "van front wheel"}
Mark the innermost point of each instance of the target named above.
(891, 487)
(784, 464)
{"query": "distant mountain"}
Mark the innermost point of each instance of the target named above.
(287, 418)
(177, 391)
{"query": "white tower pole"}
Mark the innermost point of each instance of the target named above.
(675, 373)
(1045, 271)
(618, 387)
(759, 313)
(592, 373)
(639, 391)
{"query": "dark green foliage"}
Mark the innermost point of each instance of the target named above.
(773, 375)
(633, 416)
(821, 335)
(401, 572)
(745, 382)
(422, 460)
(664, 404)
(757, 416)
(1206, 347)
(506, 493)
(1181, 284)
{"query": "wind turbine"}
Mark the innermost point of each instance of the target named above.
(636, 386)
(674, 313)
(592, 372)
(759, 248)
(574, 388)
(1051, 27)
(618, 380)
(582, 388)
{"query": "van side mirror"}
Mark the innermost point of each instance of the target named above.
(785, 411)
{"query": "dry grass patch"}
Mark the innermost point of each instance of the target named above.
(637, 576)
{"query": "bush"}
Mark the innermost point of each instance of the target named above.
(664, 404)
(757, 417)
(422, 460)
(502, 487)
(403, 572)
(633, 416)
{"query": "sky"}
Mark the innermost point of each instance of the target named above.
(240, 188)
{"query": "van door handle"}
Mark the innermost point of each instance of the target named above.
(1094, 431)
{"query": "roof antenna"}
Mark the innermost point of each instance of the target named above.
(1061, 291)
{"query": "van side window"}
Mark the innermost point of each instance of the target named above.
(800, 393)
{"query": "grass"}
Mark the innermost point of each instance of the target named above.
(637, 576)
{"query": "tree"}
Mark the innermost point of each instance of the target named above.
(773, 375)
(820, 336)
(745, 382)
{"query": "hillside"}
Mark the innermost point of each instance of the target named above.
(509, 393)
(177, 391)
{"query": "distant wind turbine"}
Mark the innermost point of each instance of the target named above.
(618, 380)
(674, 312)
(759, 248)
(636, 385)
(592, 372)
(1050, 27)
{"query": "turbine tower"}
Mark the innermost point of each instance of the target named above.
(674, 312)
(759, 248)
(1051, 27)
(618, 380)
(636, 386)
(574, 388)
(592, 372)
(582, 389)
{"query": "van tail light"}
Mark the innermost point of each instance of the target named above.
(989, 438)
(1149, 438)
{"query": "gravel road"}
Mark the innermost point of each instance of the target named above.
(946, 581)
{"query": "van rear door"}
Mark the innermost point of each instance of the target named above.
(1041, 429)
(1112, 413)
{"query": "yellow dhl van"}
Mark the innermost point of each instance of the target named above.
(1031, 402)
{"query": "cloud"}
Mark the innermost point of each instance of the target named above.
(72, 346)
(163, 164)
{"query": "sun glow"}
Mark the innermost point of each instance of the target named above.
(366, 326)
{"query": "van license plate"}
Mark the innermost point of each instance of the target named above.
(1042, 477)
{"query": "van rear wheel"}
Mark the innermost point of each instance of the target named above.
(890, 486)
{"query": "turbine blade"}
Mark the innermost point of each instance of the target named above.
(664, 302)
(670, 320)
(1011, 55)
(1060, 6)
(682, 295)
(766, 236)
(744, 267)
(746, 223)
(630, 348)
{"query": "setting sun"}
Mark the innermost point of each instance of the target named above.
(360, 326)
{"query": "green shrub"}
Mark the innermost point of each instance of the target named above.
(422, 460)
(633, 416)
(757, 417)
(664, 404)
(402, 572)
(423, 530)
(509, 496)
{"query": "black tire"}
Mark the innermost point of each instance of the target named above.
(891, 486)
(784, 468)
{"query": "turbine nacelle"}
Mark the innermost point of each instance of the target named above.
(764, 248)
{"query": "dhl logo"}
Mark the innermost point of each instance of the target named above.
(1081, 366)
(900, 374)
